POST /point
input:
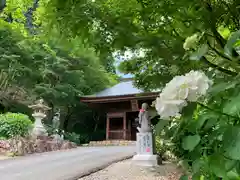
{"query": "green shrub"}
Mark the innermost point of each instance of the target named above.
(76, 138)
(70, 136)
(14, 124)
(160, 147)
(73, 137)
(51, 130)
(163, 149)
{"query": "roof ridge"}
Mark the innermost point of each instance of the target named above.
(125, 79)
(125, 87)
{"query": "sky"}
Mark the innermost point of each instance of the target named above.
(124, 57)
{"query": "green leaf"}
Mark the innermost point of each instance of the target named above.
(211, 122)
(217, 165)
(230, 164)
(197, 164)
(199, 53)
(232, 107)
(161, 125)
(198, 123)
(183, 177)
(190, 142)
(231, 143)
(228, 49)
(237, 167)
(189, 110)
(233, 176)
(196, 176)
(222, 87)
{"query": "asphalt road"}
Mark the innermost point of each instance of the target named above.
(62, 165)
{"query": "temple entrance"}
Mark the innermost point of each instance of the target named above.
(116, 128)
(122, 126)
(131, 116)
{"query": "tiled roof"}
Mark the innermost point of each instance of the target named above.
(123, 88)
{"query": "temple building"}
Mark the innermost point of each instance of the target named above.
(121, 104)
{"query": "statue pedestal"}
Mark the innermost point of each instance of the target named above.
(145, 150)
(38, 129)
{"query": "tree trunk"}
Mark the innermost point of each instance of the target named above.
(67, 118)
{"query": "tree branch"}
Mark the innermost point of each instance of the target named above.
(218, 53)
(219, 112)
(212, 22)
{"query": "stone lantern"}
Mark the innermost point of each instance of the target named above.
(39, 112)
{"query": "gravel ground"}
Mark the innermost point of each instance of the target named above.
(126, 171)
(4, 157)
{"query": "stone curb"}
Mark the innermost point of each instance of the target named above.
(99, 168)
(112, 143)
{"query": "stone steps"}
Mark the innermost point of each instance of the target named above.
(112, 143)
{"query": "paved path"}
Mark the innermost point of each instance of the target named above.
(61, 165)
(166, 171)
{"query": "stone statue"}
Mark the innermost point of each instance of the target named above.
(56, 120)
(144, 119)
(145, 140)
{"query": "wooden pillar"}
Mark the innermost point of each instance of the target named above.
(107, 128)
(129, 130)
(124, 126)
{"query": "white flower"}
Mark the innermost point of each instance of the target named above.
(172, 98)
(180, 90)
(190, 42)
(198, 84)
(176, 89)
(169, 108)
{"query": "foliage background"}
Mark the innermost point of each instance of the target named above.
(66, 48)
(36, 63)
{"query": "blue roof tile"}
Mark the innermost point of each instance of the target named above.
(120, 89)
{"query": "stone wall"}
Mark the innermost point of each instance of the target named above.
(22, 146)
(112, 143)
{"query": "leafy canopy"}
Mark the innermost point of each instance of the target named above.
(207, 136)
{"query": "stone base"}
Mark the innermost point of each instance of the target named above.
(39, 131)
(145, 143)
(145, 160)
